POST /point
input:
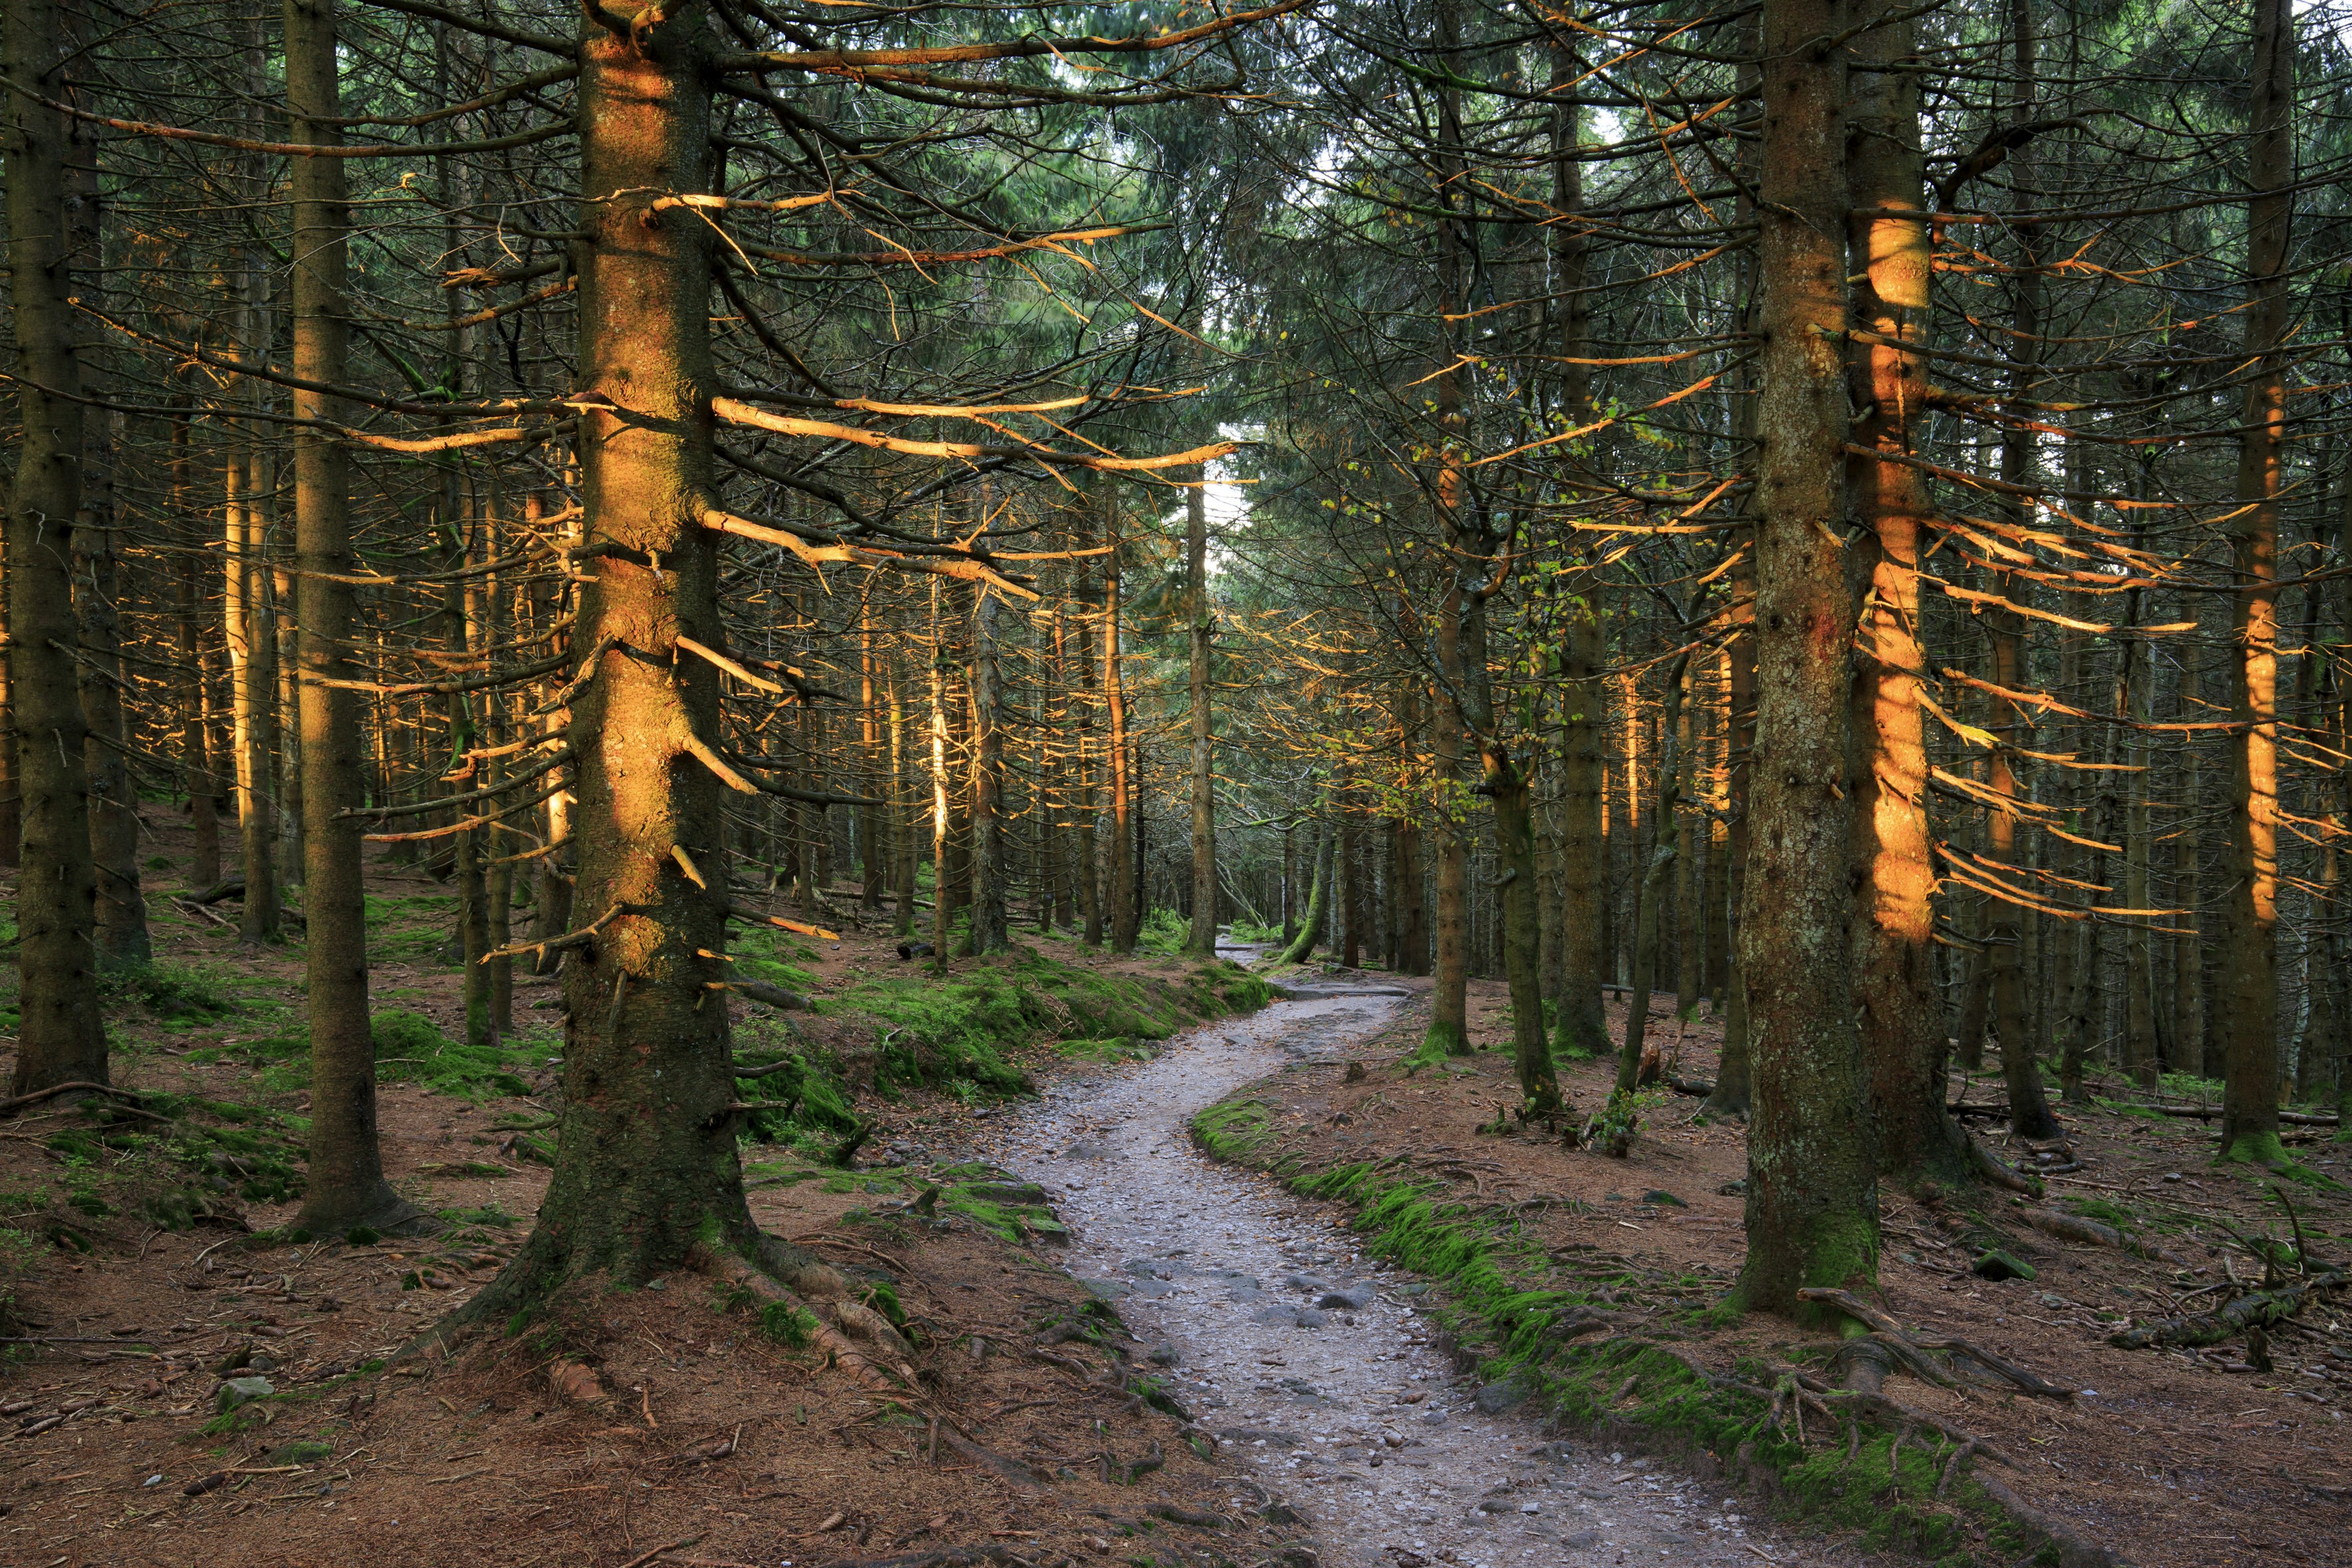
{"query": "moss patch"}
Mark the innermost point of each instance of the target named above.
(1535, 1316)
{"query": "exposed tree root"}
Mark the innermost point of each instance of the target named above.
(2090, 1232)
(739, 1273)
(1912, 1350)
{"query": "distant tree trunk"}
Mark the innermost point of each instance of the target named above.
(1126, 864)
(1582, 1032)
(1689, 925)
(1901, 1016)
(2249, 1103)
(60, 1035)
(942, 819)
(189, 682)
(990, 930)
(346, 1186)
(1812, 1192)
(1649, 896)
(1409, 890)
(906, 864)
(1352, 892)
(1200, 942)
(1082, 697)
(247, 629)
(873, 836)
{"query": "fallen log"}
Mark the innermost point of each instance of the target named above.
(2254, 1309)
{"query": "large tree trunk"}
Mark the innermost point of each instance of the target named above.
(1812, 1192)
(59, 1036)
(346, 1186)
(1900, 1015)
(1201, 940)
(647, 1161)
(2250, 1102)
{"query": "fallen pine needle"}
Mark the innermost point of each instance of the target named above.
(642, 1558)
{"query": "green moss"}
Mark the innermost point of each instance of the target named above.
(1527, 1307)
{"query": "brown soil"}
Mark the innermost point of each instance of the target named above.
(2178, 1458)
(476, 1459)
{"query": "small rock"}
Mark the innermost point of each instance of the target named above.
(1660, 1195)
(1348, 1298)
(1996, 1264)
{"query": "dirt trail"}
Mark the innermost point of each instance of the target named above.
(1312, 1360)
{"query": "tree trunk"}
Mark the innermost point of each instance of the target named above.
(2250, 1102)
(1200, 942)
(59, 1036)
(1582, 1032)
(990, 930)
(1125, 866)
(1410, 892)
(346, 1186)
(646, 1162)
(188, 679)
(1900, 1015)
(941, 812)
(1813, 1194)
(873, 835)
(1648, 895)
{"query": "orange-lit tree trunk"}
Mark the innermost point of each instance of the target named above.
(1201, 940)
(2250, 970)
(1812, 1191)
(189, 684)
(991, 867)
(1126, 872)
(346, 1186)
(60, 1038)
(646, 1160)
(1900, 1015)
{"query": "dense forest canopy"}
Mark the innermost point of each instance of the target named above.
(1838, 511)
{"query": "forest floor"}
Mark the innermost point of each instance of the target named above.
(147, 1270)
(2181, 1458)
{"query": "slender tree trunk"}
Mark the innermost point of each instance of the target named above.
(1689, 926)
(942, 904)
(59, 1036)
(2249, 1103)
(1582, 1032)
(188, 679)
(121, 910)
(1813, 1194)
(1900, 1015)
(1648, 896)
(347, 1185)
(1200, 942)
(990, 922)
(1410, 891)
(873, 835)
(1126, 863)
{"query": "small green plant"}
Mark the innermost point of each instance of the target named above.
(792, 1327)
(1613, 1129)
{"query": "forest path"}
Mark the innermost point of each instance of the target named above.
(1307, 1357)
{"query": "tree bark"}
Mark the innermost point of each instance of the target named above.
(990, 930)
(1900, 1015)
(1813, 1194)
(1201, 940)
(2250, 1099)
(646, 1162)
(1126, 868)
(346, 1186)
(59, 1036)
